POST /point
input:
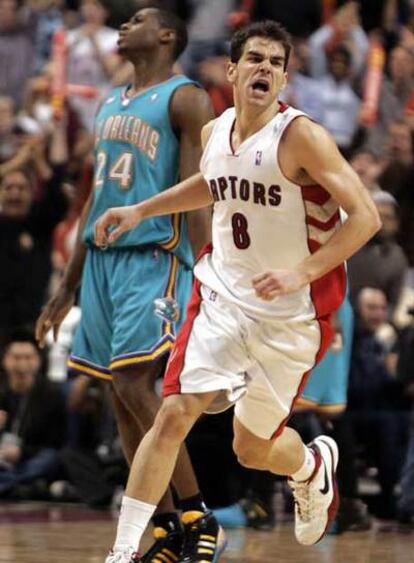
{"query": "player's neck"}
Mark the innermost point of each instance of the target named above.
(147, 74)
(250, 119)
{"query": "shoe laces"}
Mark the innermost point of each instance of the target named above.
(191, 540)
(303, 499)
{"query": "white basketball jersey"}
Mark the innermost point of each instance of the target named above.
(263, 221)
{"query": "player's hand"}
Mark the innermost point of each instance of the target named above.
(114, 222)
(273, 283)
(53, 314)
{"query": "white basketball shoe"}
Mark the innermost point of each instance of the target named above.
(126, 556)
(317, 499)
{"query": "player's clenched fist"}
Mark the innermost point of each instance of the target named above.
(273, 283)
(114, 222)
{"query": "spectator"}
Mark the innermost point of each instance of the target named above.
(397, 175)
(398, 178)
(26, 229)
(368, 165)
(93, 58)
(381, 262)
(10, 132)
(302, 91)
(32, 417)
(16, 52)
(345, 28)
(43, 18)
(93, 462)
(373, 397)
(204, 40)
(401, 79)
(395, 94)
(213, 75)
(339, 103)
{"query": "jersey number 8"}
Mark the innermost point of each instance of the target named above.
(241, 236)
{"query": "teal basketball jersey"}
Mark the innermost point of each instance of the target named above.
(136, 157)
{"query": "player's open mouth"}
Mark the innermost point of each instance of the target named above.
(260, 85)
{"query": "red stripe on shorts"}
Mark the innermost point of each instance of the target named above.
(327, 334)
(175, 364)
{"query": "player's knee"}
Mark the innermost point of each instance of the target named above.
(249, 455)
(123, 384)
(174, 419)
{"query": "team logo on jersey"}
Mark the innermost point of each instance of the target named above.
(110, 100)
(212, 296)
(154, 97)
(258, 160)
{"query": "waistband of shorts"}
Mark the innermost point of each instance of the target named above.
(142, 248)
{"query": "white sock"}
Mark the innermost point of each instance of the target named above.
(307, 468)
(133, 520)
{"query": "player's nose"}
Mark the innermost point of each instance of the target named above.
(265, 67)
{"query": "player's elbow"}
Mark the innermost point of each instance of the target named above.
(370, 223)
(375, 222)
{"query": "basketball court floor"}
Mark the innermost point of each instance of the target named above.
(42, 533)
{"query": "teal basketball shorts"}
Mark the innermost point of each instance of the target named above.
(326, 388)
(119, 329)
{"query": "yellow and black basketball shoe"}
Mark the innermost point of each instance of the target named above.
(166, 547)
(204, 539)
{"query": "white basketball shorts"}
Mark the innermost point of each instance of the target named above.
(260, 366)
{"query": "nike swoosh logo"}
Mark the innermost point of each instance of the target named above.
(325, 488)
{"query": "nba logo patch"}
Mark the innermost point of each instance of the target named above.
(258, 160)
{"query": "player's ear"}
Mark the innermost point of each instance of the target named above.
(167, 36)
(231, 72)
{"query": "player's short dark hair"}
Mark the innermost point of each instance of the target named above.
(268, 29)
(170, 20)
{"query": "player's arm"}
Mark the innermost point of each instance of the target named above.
(60, 304)
(319, 156)
(190, 111)
(316, 154)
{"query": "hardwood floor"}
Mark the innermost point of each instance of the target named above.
(39, 533)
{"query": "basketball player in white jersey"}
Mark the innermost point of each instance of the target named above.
(264, 291)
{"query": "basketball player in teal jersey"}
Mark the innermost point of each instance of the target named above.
(147, 136)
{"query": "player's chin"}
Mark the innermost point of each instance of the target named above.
(260, 101)
(122, 48)
(259, 97)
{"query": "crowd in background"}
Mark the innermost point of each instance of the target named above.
(352, 70)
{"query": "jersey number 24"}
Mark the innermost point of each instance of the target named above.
(121, 171)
